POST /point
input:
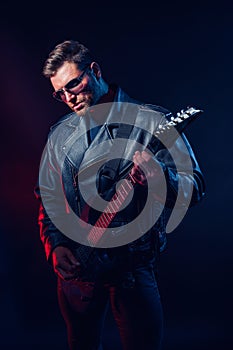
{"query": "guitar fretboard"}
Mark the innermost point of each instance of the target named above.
(97, 231)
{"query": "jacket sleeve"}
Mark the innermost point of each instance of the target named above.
(52, 203)
(184, 178)
(185, 184)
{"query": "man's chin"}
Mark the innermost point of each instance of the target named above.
(81, 109)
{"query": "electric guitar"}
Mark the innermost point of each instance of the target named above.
(93, 259)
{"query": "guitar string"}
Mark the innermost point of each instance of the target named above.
(95, 235)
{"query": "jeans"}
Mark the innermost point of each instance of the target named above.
(136, 308)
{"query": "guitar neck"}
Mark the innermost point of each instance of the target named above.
(111, 210)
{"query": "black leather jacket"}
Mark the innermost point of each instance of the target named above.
(67, 154)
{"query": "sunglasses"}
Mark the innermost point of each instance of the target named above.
(74, 86)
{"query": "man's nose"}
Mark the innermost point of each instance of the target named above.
(69, 95)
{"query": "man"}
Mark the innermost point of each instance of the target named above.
(103, 254)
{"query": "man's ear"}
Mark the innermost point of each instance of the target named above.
(96, 70)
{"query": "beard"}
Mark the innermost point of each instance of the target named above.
(87, 98)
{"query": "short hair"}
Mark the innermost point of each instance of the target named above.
(68, 51)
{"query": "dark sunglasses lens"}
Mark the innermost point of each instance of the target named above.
(73, 83)
(58, 95)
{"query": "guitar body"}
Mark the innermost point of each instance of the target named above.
(95, 263)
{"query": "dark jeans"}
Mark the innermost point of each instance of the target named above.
(136, 310)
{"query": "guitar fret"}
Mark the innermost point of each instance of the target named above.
(124, 190)
(101, 222)
(113, 205)
(132, 179)
(94, 237)
(118, 202)
(120, 194)
(107, 216)
(110, 211)
(115, 202)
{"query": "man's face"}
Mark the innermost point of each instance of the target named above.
(79, 94)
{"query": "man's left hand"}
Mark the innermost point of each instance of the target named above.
(145, 167)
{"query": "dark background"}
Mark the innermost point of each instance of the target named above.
(173, 54)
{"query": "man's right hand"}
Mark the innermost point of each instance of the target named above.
(65, 264)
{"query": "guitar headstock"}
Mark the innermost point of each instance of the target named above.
(190, 112)
(180, 122)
